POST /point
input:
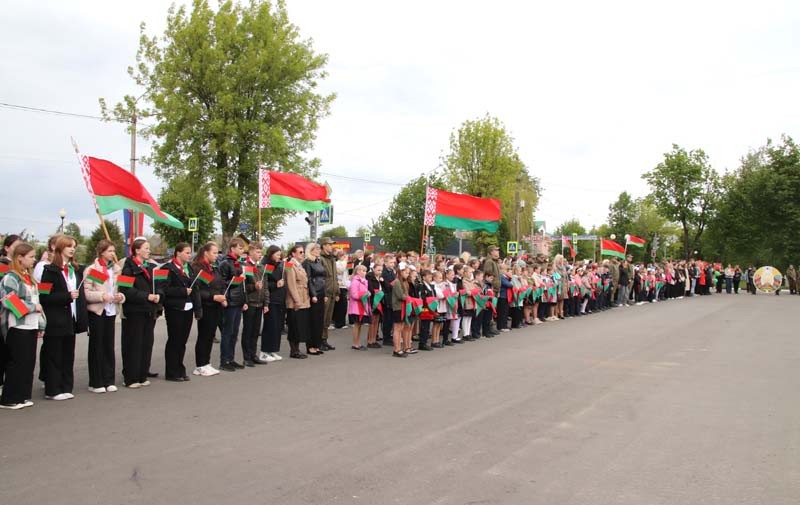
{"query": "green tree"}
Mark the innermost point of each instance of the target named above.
(684, 188)
(182, 200)
(73, 230)
(621, 214)
(98, 235)
(336, 231)
(482, 161)
(229, 91)
(401, 225)
(567, 228)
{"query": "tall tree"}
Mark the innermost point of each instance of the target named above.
(98, 234)
(401, 225)
(229, 91)
(567, 228)
(685, 188)
(336, 231)
(483, 161)
(621, 214)
(182, 200)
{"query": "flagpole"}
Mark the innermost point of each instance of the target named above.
(424, 234)
(229, 287)
(195, 279)
(96, 209)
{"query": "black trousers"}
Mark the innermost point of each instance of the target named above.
(58, 359)
(316, 320)
(424, 331)
(101, 358)
(340, 310)
(206, 329)
(137, 347)
(387, 321)
(251, 324)
(179, 325)
(298, 325)
(516, 317)
(3, 358)
(21, 353)
(272, 328)
(502, 313)
(486, 321)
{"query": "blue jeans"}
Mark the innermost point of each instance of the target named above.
(694, 284)
(728, 285)
(230, 333)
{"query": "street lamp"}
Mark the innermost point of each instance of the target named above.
(62, 214)
(612, 236)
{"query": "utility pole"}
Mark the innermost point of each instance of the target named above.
(134, 215)
(516, 212)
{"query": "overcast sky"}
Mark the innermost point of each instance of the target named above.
(593, 93)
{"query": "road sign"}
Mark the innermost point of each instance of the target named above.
(512, 247)
(653, 253)
(193, 222)
(194, 237)
(326, 215)
(170, 251)
(367, 237)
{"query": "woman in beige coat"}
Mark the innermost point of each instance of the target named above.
(298, 301)
(102, 303)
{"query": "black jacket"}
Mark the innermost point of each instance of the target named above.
(256, 297)
(389, 275)
(623, 277)
(57, 305)
(277, 295)
(316, 278)
(206, 292)
(175, 297)
(228, 268)
(136, 301)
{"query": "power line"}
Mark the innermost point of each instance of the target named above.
(48, 111)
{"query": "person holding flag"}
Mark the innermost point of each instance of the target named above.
(210, 291)
(102, 304)
(181, 305)
(257, 305)
(232, 271)
(375, 287)
(359, 307)
(65, 310)
(143, 299)
(275, 315)
(22, 322)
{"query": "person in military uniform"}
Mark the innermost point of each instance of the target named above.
(791, 278)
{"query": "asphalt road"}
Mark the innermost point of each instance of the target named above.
(691, 401)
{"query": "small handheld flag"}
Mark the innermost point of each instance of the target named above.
(14, 304)
(44, 287)
(206, 277)
(160, 274)
(269, 270)
(249, 271)
(3, 269)
(97, 276)
(125, 281)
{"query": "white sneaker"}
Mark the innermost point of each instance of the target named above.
(59, 397)
(331, 327)
(135, 385)
(268, 357)
(503, 330)
(276, 356)
(263, 356)
(27, 403)
(198, 371)
(208, 371)
(145, 383)
(97, 390)
(345, 327)
(111, 389)
(70, 396)
(12, 406)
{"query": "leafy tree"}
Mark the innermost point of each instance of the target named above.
(401, 225)
(336, 231)
(230, 91)
(684, 188)
(483, 162)
(621, 214)
(567, 228)
(98, 235)
(73, 230)
(182, 200)
(361, 230)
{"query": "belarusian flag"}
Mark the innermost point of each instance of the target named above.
(125, 281)
(270, 269)
(206, 277)
(289, 265)
(376, 300)
(635, 241)
(95, 275)
(566, 243)
(4, 269)
(13, 303)
(114, 188)
(44, 288)
(290, 191)
(160, 274)
(249, 271)
(237, 280)
(611, 248)
(462, 212)
(432, 302)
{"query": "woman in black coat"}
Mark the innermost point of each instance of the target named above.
(65, 309)
(315, 271)
(140, 311)
(210, 290)
(179, 309)
(275, 318)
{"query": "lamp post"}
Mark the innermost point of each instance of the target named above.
(62, 214)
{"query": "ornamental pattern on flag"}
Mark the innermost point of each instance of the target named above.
(431, 197)
(263, 189)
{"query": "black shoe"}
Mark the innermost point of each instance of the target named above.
(237, 365)
(315, 353)
(298, 355)
(174, 379)
(248, 363)
(425, 347)
(228, 367)
(449, 342)
(468, 339)
(152, 375)
(374, 346)
(259, 361)
(491, 335)
(437, 345)
(458, 341)
(186, 378)
(327, 347)
(400, 354)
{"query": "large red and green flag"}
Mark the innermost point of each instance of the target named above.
(285, 190)
(113, 188)
(376, 300)
(125, 281)
(160, 274)
(44, 288)
(611, 248)
(95, 275)
(433, 303)
(635, 241)
(462, 212)
(13, 303)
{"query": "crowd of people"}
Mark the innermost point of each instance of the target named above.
(245, 293)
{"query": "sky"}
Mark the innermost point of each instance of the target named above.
(593, 94)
